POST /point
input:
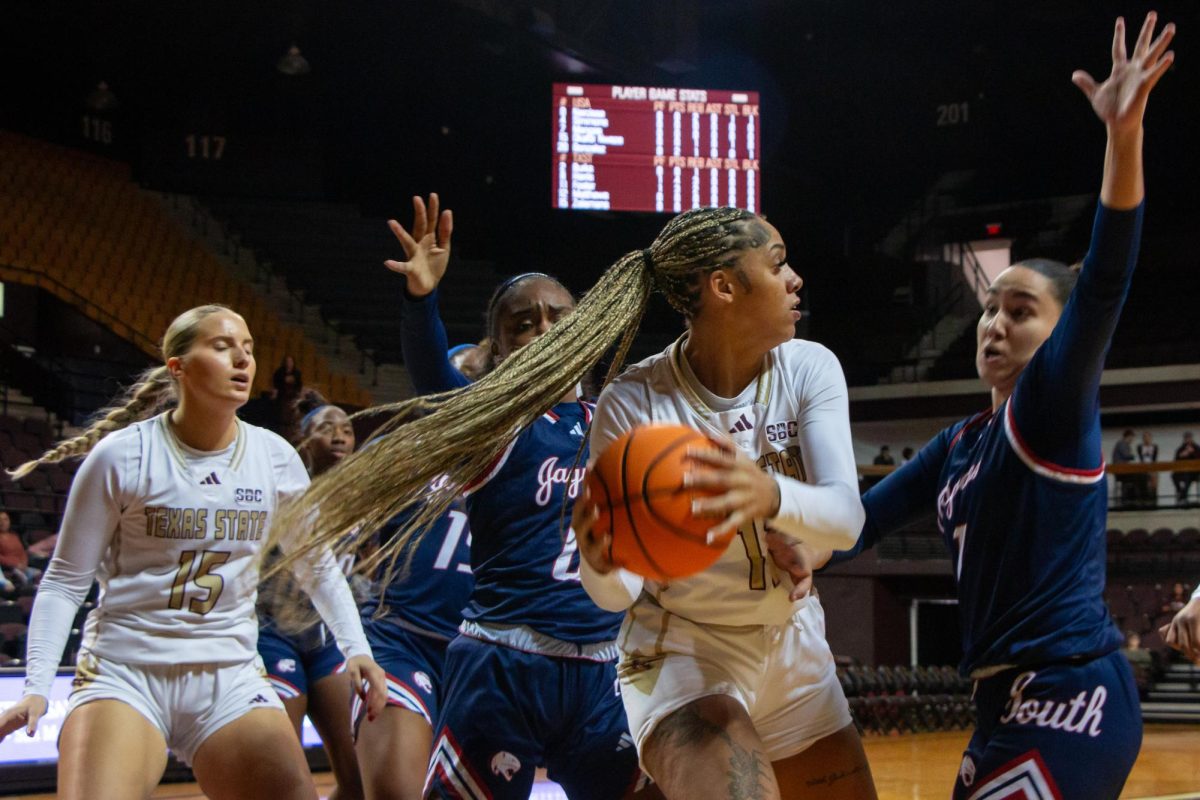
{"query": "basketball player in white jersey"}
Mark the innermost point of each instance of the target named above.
(170, 513)
(731, 691)
(726, 676)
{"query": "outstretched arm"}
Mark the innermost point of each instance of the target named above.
(1053, 409)
(900, 499)
(422, 335)
(1120, 103)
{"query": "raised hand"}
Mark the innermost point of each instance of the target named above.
(1120, 101)
(427, 248)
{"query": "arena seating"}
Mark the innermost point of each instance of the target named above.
(318, 246)
(77, 226)
(895, 700)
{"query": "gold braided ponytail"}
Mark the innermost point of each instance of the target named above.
(153, 391)
(433, 446)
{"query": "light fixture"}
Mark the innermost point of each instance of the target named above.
(293, 63)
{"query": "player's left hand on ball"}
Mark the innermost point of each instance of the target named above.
(745, 492)
(362, 669)
(795, 558)
(1183, 632)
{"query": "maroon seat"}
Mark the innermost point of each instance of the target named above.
(36, 481)
(35, 536)
(19, 501)
(60, 481)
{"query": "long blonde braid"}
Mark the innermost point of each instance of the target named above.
(153, 391)
(446, 440)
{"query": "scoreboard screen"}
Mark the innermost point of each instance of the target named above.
(648, 148)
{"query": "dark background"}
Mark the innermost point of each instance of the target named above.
(409, 97)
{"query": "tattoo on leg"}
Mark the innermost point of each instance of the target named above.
(833, 777)
(686, 727)
(747, 769)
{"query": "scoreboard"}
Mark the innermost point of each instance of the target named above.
(647, 148)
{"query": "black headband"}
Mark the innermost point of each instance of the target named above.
(508, 284)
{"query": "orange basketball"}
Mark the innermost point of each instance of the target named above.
(637, 482)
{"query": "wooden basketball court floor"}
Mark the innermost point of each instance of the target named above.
(919, 766)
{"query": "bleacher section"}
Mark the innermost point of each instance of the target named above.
(333, 256)
(895, 700)
(1157, 325)
(76, 225)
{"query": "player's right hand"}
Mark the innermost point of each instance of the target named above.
(1183, 632)
(594, 547)
(24, 713)
(427, 248)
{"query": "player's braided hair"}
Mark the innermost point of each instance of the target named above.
(448, 439)
(153, 391)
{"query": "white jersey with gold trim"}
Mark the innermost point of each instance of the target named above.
(173, 536)
(794, 421)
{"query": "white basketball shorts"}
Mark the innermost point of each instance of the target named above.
(186, 702)
(783, 675)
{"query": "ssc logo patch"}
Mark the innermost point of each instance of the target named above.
(246, 497)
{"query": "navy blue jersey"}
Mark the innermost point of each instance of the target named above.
(429, 596)
(1020, 492)
(523, 553)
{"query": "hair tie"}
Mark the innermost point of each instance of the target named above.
(307, 418)
(648, 258)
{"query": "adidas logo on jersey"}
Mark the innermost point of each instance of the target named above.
(742, 425)
(211, 480)
(577, 430)
(625, 743)
(258, 698)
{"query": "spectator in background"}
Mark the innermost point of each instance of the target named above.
(1140, 661)
(884, 459)
(906, 455)
(1188, 451)
(1147, 452)
(1123, 453)
(1174, 602)
(472, 360)
(14, 561)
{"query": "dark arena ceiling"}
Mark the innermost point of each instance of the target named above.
(453, 95)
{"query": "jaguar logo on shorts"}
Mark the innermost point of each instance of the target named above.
(422, 680)
(286, 665)
(966, 772)
(505, 765)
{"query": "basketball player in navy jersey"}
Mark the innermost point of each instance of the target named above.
(409, 627)
(303, 666)
(1020, 494)
(530, 679)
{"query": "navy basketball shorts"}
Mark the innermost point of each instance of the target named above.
(295, 663)
(414, 665)
(1061, 731)
(507, 712)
